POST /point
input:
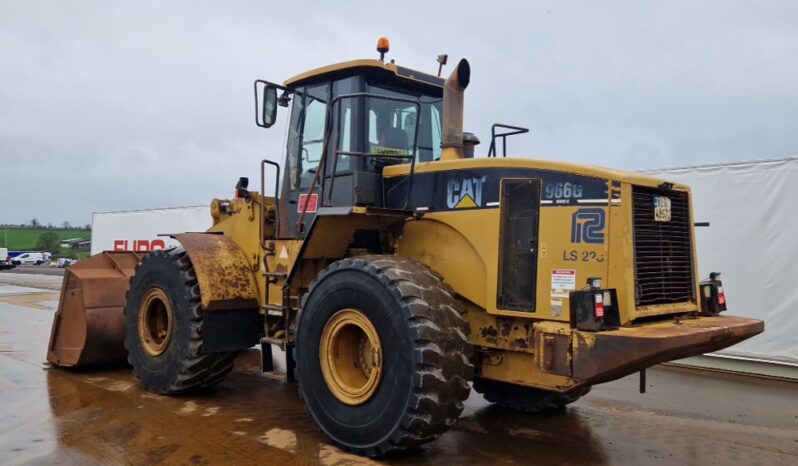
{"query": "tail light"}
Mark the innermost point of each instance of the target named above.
(242, 187)
(713, 299)
(598, 304)
(594, 309)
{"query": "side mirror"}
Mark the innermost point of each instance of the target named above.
(266, 104)
(269, 113)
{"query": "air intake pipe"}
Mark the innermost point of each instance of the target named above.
(452, 140)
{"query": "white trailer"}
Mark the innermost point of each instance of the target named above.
(142, 230)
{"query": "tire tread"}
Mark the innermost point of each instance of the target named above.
(441, 351)
(199, 369)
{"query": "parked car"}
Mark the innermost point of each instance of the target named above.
(31, 258)
(62, 262)
(5, 259)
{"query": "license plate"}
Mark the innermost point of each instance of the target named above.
(662, 209)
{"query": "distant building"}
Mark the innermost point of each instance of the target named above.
(72, 242)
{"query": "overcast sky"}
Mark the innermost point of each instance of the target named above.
(127, 105)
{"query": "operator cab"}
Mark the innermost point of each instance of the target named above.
(350, 120)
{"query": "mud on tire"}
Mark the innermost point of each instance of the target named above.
(426, 354)
(183, 365)
(526, 399)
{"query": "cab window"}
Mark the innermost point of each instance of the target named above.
(392, 124)
(344, 110)
(306, 141)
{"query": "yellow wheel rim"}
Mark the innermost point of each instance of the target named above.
(350, 356)
(156, 320)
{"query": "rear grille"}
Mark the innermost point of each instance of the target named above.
(663, 254)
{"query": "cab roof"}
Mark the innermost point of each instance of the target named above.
(353, 67)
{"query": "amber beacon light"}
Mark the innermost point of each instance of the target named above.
(383, 46)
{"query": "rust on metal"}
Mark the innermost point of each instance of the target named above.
(555, 351)
(88, 327)
(225, 278)
(603, 356)
(500, 332)
(489, 333)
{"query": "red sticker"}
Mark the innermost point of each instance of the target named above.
(312, 203)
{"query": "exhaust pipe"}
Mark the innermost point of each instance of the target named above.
(452, 138)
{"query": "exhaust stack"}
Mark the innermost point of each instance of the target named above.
(452, 139)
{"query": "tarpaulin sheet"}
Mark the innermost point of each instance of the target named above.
(753, 240)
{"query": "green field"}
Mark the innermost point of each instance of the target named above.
(24, 239)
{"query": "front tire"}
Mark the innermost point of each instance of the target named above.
(163, 327)
(382, 353)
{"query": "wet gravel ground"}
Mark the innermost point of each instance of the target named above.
(34, 270)
(52, 416)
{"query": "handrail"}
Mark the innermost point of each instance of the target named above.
(263, 203)
(493, 136)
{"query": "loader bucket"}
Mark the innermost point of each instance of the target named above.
(88, 327)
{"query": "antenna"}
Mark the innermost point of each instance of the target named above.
(441, 61)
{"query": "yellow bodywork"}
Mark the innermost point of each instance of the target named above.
(223, 272)
(538, 348)
(462, 245)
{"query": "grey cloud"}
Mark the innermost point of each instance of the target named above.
(107, 106)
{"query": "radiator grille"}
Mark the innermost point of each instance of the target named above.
(663, 253)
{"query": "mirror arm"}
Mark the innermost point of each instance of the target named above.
(266, 88)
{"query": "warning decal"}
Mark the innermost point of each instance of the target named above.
(556, 307)
(562, 281)
(312, 203)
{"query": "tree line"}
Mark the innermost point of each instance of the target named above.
(35, 223)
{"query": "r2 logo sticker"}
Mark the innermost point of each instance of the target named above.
(587, 226)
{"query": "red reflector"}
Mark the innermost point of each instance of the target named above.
(721, 298)
(599, 300)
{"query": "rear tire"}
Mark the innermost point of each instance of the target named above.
(422, 345)
(163, 327)
(526, 399)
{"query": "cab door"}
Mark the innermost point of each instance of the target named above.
(306, 141)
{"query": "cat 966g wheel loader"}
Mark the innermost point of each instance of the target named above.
(397, 270)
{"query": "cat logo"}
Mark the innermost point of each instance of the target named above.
(465, 193)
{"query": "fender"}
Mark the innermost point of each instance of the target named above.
(333, 229)
(449, 252)
(226, 280)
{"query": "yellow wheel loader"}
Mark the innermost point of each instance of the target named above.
(397, 271)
